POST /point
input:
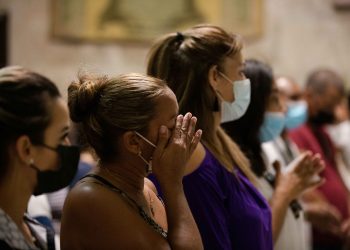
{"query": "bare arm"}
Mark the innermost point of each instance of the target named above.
(169, 162)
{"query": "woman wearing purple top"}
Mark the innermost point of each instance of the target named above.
(228, 209)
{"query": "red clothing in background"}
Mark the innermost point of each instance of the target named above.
(316, 139)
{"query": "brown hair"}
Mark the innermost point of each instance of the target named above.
(183, 60)
(25, 98)
(107, 107)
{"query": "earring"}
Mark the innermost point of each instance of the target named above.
(31, 161)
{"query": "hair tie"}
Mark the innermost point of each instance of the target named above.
(179, 36)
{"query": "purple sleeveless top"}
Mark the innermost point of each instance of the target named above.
(229, 211)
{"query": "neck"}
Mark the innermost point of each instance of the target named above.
(15, 191)
(87, 158)
(127, 177)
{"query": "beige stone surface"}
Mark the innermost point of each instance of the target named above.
(299, 35)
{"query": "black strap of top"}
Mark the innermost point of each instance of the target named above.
(142, 212)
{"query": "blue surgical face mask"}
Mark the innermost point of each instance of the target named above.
(272, 127)
(296, 114)
(231, 111)
(148, 163)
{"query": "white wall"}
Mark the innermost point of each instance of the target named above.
(299, 35)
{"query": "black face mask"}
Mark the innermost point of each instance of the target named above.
(53, 180)
(323, 117)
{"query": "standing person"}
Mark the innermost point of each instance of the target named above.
(324, 91)
(229, 210)
(264, 121)
(132, 123)
(34, 153)
(284, 150)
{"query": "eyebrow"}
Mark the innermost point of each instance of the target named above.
(64, 131)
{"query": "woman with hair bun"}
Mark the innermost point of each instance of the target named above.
(132, 123)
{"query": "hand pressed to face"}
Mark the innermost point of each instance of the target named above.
(173, 151)
(174, 136)
(165, 115)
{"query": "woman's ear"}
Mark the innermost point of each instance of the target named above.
(23, 149)
(131, 142)
(213, 74)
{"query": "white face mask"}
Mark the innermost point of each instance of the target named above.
(231, 111)
(148, 163)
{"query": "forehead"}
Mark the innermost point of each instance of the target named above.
(166, 108)
(289, 89)
(235, 59)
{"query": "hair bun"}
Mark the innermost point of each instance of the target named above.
(84, 96)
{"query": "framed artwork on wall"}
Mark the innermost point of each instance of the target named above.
(144, 20)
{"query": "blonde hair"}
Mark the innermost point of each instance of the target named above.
(183, 60)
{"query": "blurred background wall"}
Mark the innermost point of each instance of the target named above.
(297, 36)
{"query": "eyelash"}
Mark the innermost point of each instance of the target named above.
(64, 137)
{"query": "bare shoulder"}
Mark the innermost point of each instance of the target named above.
(97, 217)
(196, 159)
(150, 185)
